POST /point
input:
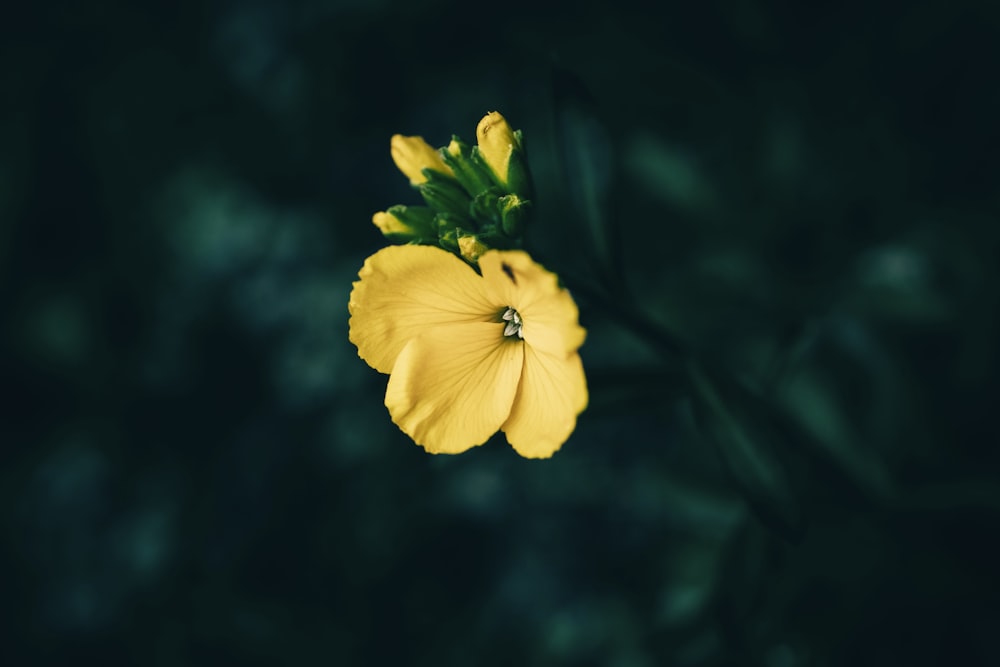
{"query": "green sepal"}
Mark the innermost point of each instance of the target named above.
(407, 224)
(476, 158)
(518, 176)
(446, 223)
(486, 208)
(492, 236)
(444, 194)
(449, 239)
(514, 213)
(474, 177)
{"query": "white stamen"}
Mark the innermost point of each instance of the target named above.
(514, 323)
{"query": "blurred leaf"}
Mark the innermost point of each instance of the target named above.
(839, 390)
(671, 175)
(611, 389)
(896, 282)
(588, 163)
(15, 164)
(739, 424)
(693, 579)
(814, 405)
(743, 589)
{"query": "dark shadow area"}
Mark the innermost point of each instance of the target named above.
(197, 469)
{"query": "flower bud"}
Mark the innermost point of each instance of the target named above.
(513, 214)
(413, 155)
(406, 223)
(500, 148)
(486, 208)
(471, 248)
(475, 176)
(445, 195)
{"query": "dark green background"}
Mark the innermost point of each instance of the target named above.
(196, 468)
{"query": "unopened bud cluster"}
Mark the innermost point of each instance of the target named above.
(477, 197)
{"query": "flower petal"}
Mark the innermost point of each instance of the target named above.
(407, 290)
(550, 315)
(453, 386)
(553, 391)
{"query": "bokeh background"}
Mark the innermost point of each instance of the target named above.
(780, 222)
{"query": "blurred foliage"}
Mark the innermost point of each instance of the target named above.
(780, 222)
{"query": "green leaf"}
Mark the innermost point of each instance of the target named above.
(740, 425)
(588, 165)
(671, 175)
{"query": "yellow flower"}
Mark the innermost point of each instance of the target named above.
(496, 144)
(471, 354)
(412, 155)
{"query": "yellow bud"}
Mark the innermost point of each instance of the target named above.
(496, 143)
(471, 248)
(390, 224)
(406, 223)
(413, 154)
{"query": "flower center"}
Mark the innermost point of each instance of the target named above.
(513, 320)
